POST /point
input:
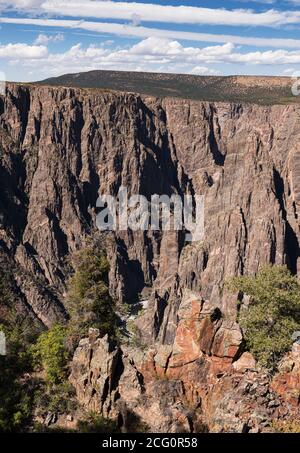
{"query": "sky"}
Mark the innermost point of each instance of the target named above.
(46, 38)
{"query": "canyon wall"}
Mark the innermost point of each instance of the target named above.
(61, 147)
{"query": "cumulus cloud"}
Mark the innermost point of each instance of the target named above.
(173, 50)
(151, 54)
(23, 51)
(271, 57)
(45, 39)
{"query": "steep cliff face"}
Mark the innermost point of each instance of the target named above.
(61, 147)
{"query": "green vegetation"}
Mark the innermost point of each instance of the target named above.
(57, 399)
(89, 302)
(135, 335)
(21, 393)
(15, 397)
(273, 313)
(33, 378)
(94, 423)
(54, 393)
(15, 390)
(42, 428)
(90, 423)
(51, 353)
(6, 294)
(237, 89)
(15, 401)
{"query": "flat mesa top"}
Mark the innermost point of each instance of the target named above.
(251, 89)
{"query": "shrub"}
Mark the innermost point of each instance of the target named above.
(15, 399)
(16, 402)
(88, 301)
(58, 399)
(95, 423)
(90, 305)
(41, 428)
(273, 313)
(50, 352)
(135, 335)
(6, 295)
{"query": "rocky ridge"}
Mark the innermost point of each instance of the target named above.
(266, 90)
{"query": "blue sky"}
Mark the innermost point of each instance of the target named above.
(43, 38)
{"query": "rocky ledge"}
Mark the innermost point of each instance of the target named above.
(183, 389)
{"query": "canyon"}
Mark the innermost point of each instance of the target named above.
(187, 371)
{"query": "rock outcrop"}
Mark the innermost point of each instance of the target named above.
(62, 147)
(143, 390)
(287, 381)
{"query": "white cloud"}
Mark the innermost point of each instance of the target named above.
(226, 53)
(21, 4)
(270, 57)
(148, 12)
(170, 56)
(151, 54)
(171, 14)
(266, 2)
(174, 50)
(145, 32)
(23, 51)
(203, 70)
(45, 39)
(288, 71)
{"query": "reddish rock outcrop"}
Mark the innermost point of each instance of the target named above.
(206, 394)
(287, 381)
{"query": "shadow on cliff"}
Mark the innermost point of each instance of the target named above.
(292, 249)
